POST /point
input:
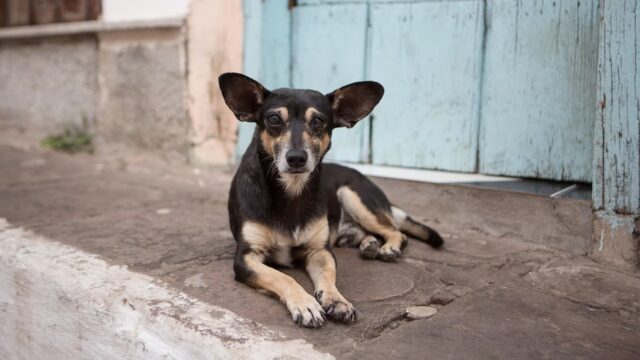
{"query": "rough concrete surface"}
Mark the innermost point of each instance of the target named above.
(143, 90)
(64, 303)
(49, 84)
(510, 282)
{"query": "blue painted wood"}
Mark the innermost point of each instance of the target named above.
(538, 89)
(252, 62)
(334, 2)
(267, 51)
(329, 44)
(616, 179)
(427, 55)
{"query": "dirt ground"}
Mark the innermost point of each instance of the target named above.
(510, 282)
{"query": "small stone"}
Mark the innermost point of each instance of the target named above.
(163, 211)
(442, 297)
(196, 281)
(459, 290)
(420, 312)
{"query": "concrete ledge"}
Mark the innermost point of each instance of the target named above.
(85, 27)
(57, 302)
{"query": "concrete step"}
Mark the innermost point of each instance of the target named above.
(136, 228)
(58, 302)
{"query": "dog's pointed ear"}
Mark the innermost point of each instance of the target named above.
(243, 95)
(353, 102)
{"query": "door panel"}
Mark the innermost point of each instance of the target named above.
(428, 57)
(328, 51)
(538, 100)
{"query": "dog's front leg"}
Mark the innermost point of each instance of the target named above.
(321, 266)
(304, 309)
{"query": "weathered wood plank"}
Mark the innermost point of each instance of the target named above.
(428, 57)
(43, 11)
(73, 10)
(329, 44)
(538, 89)
(616, 176)
(17, 12)
(616, 179)
(334, 2)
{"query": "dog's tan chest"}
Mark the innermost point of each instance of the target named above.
(276, 244)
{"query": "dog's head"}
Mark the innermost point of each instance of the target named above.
(295, 125)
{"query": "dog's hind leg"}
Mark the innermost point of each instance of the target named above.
(350, 234)
(375, 221)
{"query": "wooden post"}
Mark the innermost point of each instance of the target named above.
(43, 11)
(616, 178)
(17, 12)
(72, 10)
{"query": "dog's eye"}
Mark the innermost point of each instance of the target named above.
(274, 121)
(317, 122)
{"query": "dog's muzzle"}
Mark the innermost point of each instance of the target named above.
(296, 161)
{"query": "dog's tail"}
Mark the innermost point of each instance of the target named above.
(416, 229)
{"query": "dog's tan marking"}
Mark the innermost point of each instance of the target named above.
(302, 306)
(276, 245)
(321, 267)
(260, 237)
(308, 114)
(315, 234)
(380, 224)
(322, 270)
(324, 143)
(267, 142)
(283, 112)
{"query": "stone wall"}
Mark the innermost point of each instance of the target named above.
(48, 84)
(143, 91)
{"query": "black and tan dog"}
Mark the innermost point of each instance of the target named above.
(285, 206)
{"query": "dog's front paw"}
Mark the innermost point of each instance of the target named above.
(306, 311)
(389, 252)
(337, 307)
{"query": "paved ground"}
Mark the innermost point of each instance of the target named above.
(509, 283)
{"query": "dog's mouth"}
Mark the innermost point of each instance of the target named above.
(295, 171)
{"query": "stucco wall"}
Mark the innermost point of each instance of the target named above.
(48, 84)
(142, 91)
(215, 31)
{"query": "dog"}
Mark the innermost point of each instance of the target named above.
(287, 207)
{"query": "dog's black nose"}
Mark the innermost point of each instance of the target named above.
(296, 158)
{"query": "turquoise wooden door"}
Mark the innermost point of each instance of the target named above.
(538, 95)
(428, 57)
(328, 51)
(500, 87)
